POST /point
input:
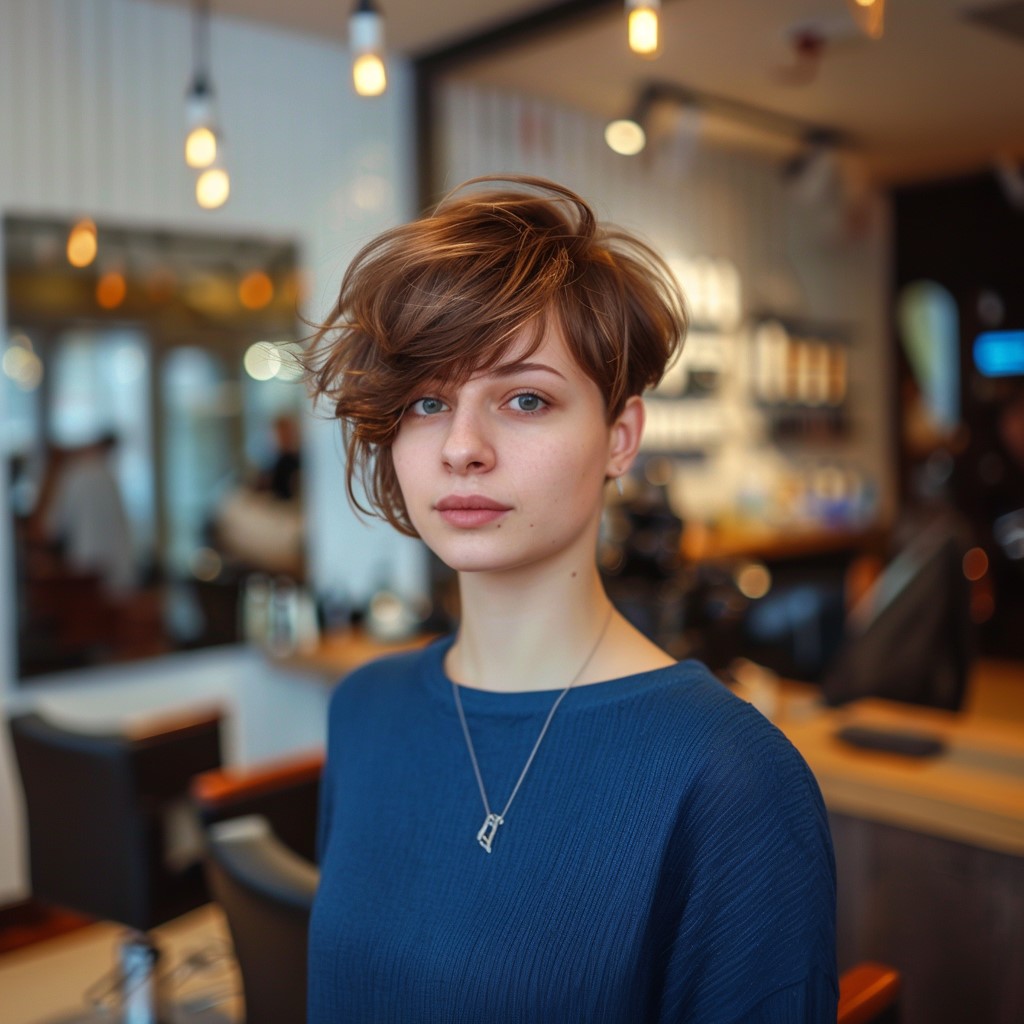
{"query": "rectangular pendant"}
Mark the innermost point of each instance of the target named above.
(485, 837)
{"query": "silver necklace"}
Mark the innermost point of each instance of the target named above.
(485, 837)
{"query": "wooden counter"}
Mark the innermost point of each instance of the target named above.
(972, 793)
(701, 543)
(340, 653)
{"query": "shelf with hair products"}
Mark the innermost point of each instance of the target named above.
(799, 377)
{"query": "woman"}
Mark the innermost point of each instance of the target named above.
(544, 817)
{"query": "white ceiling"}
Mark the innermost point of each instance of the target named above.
(937, 95)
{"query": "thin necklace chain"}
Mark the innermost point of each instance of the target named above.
(486, 834)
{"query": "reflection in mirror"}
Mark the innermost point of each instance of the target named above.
(151, 434)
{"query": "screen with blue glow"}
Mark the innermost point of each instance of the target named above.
(1000, 353)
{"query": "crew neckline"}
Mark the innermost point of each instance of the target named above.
(528, 702)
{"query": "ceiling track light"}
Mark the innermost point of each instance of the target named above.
(627, 136)
(366, 41)
(643, 28)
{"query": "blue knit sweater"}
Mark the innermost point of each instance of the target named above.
(667, 858)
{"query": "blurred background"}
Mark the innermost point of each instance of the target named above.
(831, 487)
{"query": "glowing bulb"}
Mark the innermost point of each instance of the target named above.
(213, 187)
(368, 75)
(625, 137)
(200, 147)
(111, 289)
(23, 367)
(366, 43)
(255, 290)
(753, 580)
(869, 16)
(82, 244)
(643, 26)
(262, 360)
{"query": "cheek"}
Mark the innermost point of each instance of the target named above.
(403, 466)
(572, 474)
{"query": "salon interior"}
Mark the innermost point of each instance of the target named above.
(828, 508)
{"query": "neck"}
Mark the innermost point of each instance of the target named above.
(521, 634)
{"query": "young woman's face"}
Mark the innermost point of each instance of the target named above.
(507, 470)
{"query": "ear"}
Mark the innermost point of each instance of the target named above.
(624, 439)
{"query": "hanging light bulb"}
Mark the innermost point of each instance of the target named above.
(202, 141)
(366, 41)
(82, 243)
(213, 186)
(642, 26)
(869, 16)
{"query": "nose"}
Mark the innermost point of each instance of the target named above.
(467, 446)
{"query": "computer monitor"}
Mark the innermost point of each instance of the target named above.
(909, 639)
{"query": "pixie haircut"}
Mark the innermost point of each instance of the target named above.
(437, 300)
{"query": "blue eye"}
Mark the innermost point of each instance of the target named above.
(528, 402)
(427, 407)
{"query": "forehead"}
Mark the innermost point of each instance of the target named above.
(532, 349)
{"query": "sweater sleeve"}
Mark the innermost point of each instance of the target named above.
(750, 888)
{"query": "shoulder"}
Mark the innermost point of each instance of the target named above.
(694, 712)
(384, 681)
(741, 778)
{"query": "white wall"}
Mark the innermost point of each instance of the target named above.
(91, 123)
(710, 202)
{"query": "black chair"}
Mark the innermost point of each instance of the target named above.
(286, 792)
(101, 813)
(266, 891)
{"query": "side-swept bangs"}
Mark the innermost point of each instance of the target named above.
(434, 301)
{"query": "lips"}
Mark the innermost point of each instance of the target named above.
(470, 510)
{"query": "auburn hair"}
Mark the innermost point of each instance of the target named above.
(436, 300)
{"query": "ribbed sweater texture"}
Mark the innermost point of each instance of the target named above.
(667, 858)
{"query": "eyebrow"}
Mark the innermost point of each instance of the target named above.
(521, 366)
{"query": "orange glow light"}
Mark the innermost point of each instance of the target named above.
(975, 564)
(82, 244)
(255, 290)
(111, 289)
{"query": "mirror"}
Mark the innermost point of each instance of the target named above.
(151, 433)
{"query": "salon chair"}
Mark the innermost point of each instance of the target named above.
(108, 825)
(260, 828)
(869, 994)
(286, 792)
(266, 892)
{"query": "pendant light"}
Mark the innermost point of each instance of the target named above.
(200, 110)
(642, 24)
(869, 16)
(204, 151)
(366, 41)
